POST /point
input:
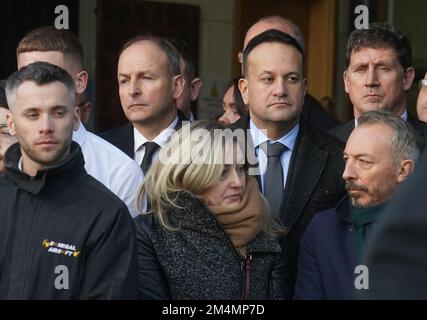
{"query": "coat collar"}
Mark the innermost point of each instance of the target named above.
(343, 209)
(307, 164)
(70, 168)
(419, 126)
(343, 131)
(181, 118)
(125, 139)
(192, 214)
(138, 139)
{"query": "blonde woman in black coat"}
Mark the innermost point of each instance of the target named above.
(209, 234)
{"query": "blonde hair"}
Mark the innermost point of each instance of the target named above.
(166, 178)
(179, 172)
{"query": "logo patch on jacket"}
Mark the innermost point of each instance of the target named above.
(61, 248)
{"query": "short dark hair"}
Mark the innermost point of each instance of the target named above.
(51, 39)
(268, 36)
(190, 69)
(381, 35)
(3, 100)
(41, 73)
(237, 96)
(168, 48)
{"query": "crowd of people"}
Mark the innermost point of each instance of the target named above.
(273, 199)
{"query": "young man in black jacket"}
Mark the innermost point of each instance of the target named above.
(63, 235)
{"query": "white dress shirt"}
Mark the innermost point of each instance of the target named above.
(161, 140)
(110, 166)
(288, 140)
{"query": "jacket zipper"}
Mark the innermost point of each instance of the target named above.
(246, 273)
(29, 252)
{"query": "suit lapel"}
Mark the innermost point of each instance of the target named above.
(250, 150)
(418, 125)
(345, 130)
(181, 118)
(127, 140)
(243, 123)
(307, 165)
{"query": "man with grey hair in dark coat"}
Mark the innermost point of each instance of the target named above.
(380, 155)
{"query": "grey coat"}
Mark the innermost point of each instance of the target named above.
(199, 261)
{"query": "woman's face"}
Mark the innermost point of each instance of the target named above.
(229, 189)
(229, 105)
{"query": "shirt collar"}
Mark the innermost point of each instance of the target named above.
(259, 137)
(20, 167)
(191, 119)
(79, 135)
(161, 139)
(404, 116)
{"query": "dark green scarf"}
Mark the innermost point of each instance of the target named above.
(364, 222)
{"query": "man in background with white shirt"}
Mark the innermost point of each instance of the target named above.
(103, 161)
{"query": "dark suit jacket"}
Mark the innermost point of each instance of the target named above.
(343, 131)
(314, 184)
(316, 115)
(396, 256)
(122, 137)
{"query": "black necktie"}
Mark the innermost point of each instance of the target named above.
(273, 179)
(150, 148)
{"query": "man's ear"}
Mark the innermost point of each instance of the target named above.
(196, 85)
(81, 81)
(345, 78)
(76, 118)
(243, 87)
(177, 86)
(406, 167)
(408, 78)
(10, 124)
(240, 57)
(304, 83)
